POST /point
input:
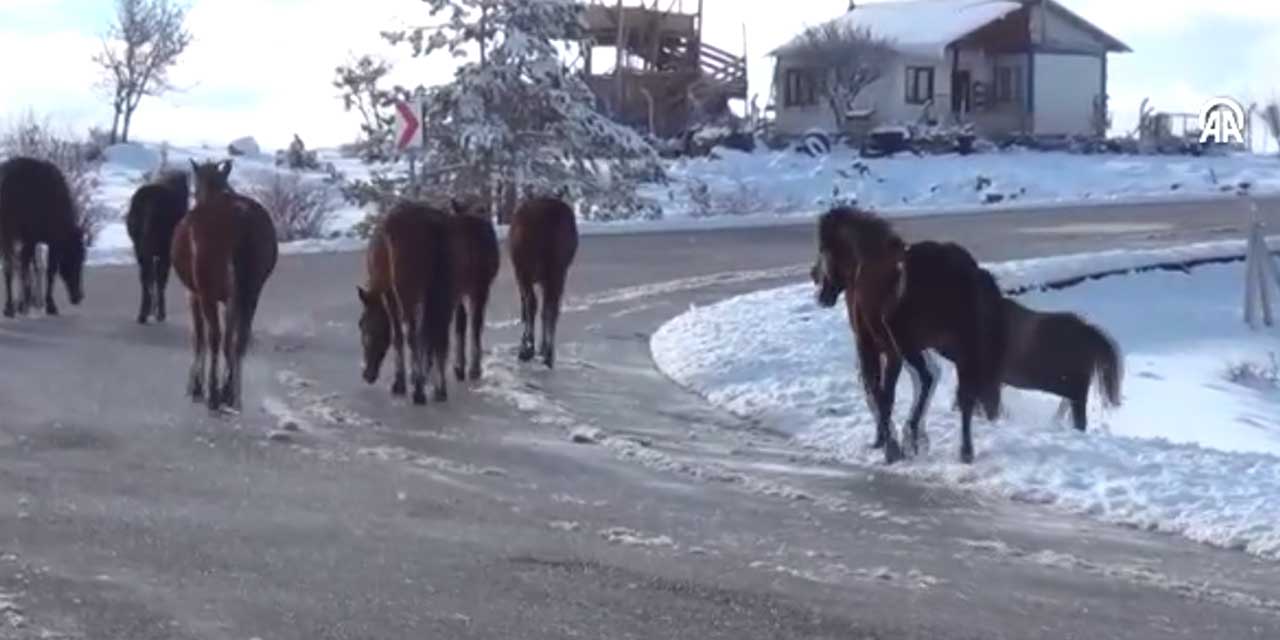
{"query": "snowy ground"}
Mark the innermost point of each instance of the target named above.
(778, 187)
(1190, 451)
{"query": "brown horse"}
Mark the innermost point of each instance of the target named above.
(476, 259)
(408, 292)
(36, 208)
(1060, 353)
(942, 302)
(223, 252)
(543, 239)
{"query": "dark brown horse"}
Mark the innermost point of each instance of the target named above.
(941, 303)
(154, 213)
(1060, 353)
(224, 251)
(36, 208)
(476, 259)
(544, 240)
(408, 293)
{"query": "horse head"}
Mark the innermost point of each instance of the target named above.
(375, 333)
(211, 178)
(71, 258)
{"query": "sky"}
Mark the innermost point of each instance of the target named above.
(264, 67)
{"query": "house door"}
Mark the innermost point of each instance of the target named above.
(961, 86)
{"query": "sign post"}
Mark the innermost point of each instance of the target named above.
(1260, 275)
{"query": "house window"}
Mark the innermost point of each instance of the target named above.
(803, 87)
(1008, 84)
(919, 85)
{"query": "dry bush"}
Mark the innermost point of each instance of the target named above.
(301, 207)
(1256, 375)
(79, 161)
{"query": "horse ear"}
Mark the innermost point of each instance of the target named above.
(224, 168)
(362, 294)
(194, 167)
(457, 206)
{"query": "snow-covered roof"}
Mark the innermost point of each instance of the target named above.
(921, 27)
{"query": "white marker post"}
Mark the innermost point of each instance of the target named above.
(1260, 274)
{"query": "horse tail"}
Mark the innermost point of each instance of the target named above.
(1107, 363)
(247, 286)
(991, 338)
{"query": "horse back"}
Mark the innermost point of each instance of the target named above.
(154, 212)
(408, 252)
(474, 251)
(205, 243)
(35, 202)
(543, 239)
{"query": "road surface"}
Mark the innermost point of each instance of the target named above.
(127, 512)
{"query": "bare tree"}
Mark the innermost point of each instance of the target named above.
(137, 53)
(1271, 115)
(849, 58)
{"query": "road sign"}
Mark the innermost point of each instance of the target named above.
(408, 125)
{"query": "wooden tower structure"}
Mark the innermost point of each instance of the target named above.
(664, 78)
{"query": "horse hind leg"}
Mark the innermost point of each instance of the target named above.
(398, 386)
(146, 276)
(51, 272)
(1080, 411)
(528, 315)
(26, 258)
(7, 259)
(418, 359)
(161, 281)
(967, 399)
(213, 327)
(552, 293)
(460, 336)
(195, 380)
(478, 304)
(231, 380)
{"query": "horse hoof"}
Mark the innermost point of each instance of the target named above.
(878, 444)
(439, 395)
(51, 310)
(966, 456)
(142, 319)
(419, 397)
(8, 312)
(474, 374)
(398, 388)
(525, 355)
(460, 373)
(893, 453)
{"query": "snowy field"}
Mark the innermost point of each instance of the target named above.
(1193, 450)
(766, 187)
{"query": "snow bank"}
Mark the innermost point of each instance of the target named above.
(786, 183)
(1189, 452)
(133, 156)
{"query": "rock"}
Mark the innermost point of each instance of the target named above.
(585, 435)
(281, 437)
(245, 146)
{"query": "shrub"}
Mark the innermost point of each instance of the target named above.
(1257, 375)
(301, 207)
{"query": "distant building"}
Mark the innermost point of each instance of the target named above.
(656, 73)
(1005, 66)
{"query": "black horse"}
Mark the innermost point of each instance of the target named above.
(1060, 353)
(154, 213)
(36, 208)
(945, 302)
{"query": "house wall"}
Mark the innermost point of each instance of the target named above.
(1054, 31)
(887, 97)
(1008, 118)
(1065, 88)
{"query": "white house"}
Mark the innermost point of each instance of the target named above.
(1006, 66)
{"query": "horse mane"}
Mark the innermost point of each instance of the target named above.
(861, 232)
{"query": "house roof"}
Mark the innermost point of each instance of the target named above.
(927, 27)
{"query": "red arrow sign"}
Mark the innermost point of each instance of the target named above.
(408, 124)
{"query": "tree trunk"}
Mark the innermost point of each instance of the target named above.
(115, 126)
(128, 120)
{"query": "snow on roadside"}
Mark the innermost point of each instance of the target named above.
(1189, 452)
(769, 188)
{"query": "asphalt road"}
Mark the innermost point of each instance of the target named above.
(128, 512)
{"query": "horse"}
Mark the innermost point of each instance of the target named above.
(543, 240)
(154, 212)
(36, 207)
(1061, 354)
(476, 259)
(940, 301)
(408, 292)
(223, 251)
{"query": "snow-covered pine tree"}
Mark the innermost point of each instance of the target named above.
(517, 113)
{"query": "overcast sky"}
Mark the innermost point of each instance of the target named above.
(263, 67)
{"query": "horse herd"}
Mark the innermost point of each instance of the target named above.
(429, 271)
